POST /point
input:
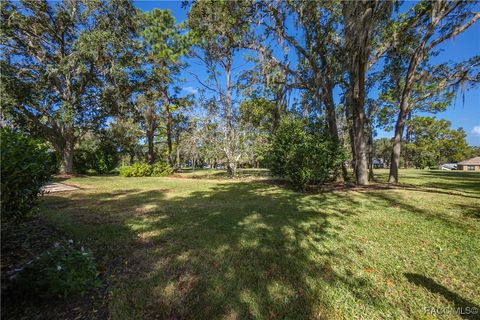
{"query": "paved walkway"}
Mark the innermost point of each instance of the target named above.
(58, 187)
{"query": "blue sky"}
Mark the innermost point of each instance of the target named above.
(464, 112)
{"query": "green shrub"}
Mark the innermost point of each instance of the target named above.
(25, 167)
(159, 169)
(82, 160)
(125, 171)
(136, 170)
(95, 155)
(141, 170)
(61, 271)
(303, 152)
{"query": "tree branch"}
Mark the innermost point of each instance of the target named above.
(454, 32)
(201, 83)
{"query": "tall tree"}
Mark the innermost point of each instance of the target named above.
(62, 66)
(270, 83)
(220, 29)
(148, 117)
(434, 89)
(317, 50)
(163, 43)
(360, 21)
(433, 22)
(125, 133)
(434, 141)
(172, 117)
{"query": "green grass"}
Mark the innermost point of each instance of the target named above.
(443, 181)
(221, 174)
(220, 249)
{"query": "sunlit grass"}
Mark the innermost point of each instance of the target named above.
(221, 174)
(215, 249)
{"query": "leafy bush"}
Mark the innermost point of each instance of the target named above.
(136, 170)
(125, 171)
(61, 271)
(159, 169)
(303, 152)
(25, 167)
(141, 170)
(95, 155)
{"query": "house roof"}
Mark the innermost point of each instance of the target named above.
(471, 162)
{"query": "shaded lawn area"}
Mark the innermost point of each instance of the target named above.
(442, 180)
(174, 248)
(221, 174)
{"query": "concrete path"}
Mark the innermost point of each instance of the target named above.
(58, 187)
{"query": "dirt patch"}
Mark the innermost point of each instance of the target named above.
(58, 187)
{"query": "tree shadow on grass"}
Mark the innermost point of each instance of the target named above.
(463, 307)
(399, 201)
(457, 181)
(227, 253)
(257, 255)
(471, 211)
(238, 250)
(439, 188)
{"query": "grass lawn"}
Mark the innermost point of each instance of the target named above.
(221, 174)
(172, 248)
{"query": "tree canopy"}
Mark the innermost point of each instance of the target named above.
(110, 78)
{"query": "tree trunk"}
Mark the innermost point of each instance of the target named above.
(232, 169)
(66, 166)
(361, 174)
(177, 149)
(169, 135)
(397, 143)
(151, 125)
(229, 149)
(132, 157)
(416, 58)
(400, 125)
(151, 147)
(341, 171)
(406, 163)
(357, 94)
(349, 120)
(359, 20)
(370, 154)
(370, 142)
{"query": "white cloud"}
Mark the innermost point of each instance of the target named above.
(190, 90)
(476, 131)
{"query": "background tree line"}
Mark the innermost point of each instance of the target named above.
(101, 81)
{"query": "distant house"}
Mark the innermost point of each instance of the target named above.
(470, 164)
(449, 166)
